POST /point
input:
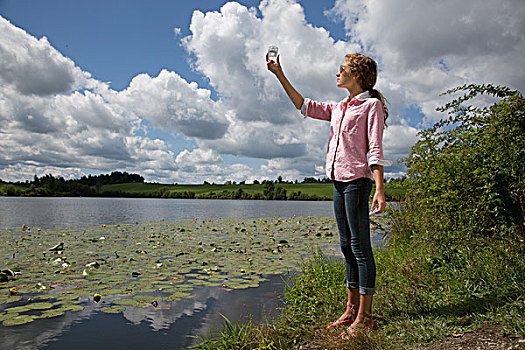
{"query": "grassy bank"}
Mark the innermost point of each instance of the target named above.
(424, 295)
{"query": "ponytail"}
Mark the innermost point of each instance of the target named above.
(376, 94)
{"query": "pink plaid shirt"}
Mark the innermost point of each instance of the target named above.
(356, 129)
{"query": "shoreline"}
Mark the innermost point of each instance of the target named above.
(322, 191)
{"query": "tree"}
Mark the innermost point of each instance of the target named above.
(269, 190)
(280, 193)
(467, 171)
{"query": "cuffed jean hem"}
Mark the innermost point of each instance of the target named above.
(367, 291)
(351, 285)
(362, 290)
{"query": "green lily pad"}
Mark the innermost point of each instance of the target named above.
(126, 302)
(145, 298)
(6, 298)
(18, 320)
(5, 316)
(52, 313)
(172, 258)
(29, 306)
(113, 309)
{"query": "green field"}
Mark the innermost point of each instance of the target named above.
(314, 191)
(320, 189)
(283, 191)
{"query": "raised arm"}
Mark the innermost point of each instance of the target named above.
(275, 67)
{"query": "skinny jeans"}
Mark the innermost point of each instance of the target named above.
(351, 213)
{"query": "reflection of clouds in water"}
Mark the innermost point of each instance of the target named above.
(167, 313)
(238, 305)
(196, 316)
(233, 304)
(33, 335)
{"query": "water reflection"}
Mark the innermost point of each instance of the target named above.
(66, 212)
(165, 327)
(168, 325)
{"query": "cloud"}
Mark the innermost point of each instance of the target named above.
(229, 47)
(52, 114)
(79, 122)
(56, 117)
(191, 160)
(77, 130)
(35, 67)
(16, 172)
(429, 47)
(170, 103)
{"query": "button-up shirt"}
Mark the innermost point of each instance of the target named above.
(356, 130)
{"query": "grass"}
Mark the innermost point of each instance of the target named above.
(426, 292)
(317, 188)
(323, 191)
(299, 191)
(320, 189)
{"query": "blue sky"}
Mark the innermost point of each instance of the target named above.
(175, 90)
(118, 39)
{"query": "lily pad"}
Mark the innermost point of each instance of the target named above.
(52, 313)
(126, 302)
(169, 259)
(145, 298)
(16, 320)
(29, 306)
(113, 309)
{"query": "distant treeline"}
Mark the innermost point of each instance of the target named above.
(48, 185)
(270, 191)
(122, 184)
(279, 194)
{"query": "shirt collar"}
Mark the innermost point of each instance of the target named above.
(361, 97)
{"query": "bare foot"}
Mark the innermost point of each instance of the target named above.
(347, 318)
(364, 324)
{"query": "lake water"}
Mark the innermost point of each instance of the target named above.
(47, 212)
(139, 328)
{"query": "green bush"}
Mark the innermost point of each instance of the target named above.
(466, 173)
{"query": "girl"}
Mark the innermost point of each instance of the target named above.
(356, 130)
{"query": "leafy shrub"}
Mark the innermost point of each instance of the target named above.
(466, 174)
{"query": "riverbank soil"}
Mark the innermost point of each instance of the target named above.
(489, 337)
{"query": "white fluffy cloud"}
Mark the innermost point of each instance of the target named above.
(170, 103)
(56, 118)
(34, 67)
(426, 48)
(230, 45)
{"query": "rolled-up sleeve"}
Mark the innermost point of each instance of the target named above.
(376, 124)
(317, 110)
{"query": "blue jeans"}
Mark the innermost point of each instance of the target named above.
(351, 213)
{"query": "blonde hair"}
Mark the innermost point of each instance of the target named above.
(365, 70)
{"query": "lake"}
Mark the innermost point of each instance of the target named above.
(165, 328)
(47, 212)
